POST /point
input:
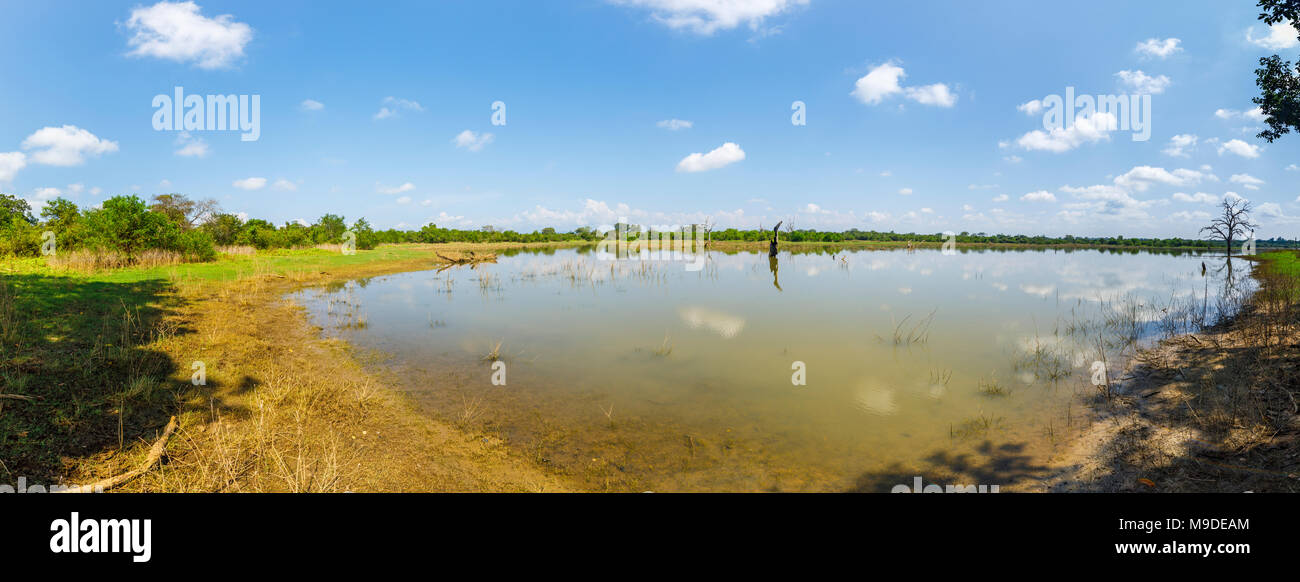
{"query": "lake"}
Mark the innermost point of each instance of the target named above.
(853, 370)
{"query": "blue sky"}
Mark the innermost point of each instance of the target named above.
(919, 116)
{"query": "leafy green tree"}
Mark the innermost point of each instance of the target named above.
(224, 229)
(60, 214)
(13, 208)
(126, 225)
(329, 229)
(366, 238)
(1278, 80)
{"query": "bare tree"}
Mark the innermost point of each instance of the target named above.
(185, 212)
(1233, 223)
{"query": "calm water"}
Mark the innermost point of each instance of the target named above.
(643, 375)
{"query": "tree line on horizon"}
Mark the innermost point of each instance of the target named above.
(197, 229)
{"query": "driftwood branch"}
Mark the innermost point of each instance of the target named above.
(155, 453)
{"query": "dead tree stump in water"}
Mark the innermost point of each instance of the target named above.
(771, 248)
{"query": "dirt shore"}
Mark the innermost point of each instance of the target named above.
(286, 409)
(1213, 411)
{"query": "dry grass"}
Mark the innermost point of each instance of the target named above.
(89, 261)
(243, 250)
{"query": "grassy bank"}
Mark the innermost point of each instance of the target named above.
(1212, 411)
(94, 364)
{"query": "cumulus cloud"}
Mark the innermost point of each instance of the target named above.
(177, 31)
(905, 191)
(1246, 181)
(1141, 82)
(283, 184)
(252, 183)
(937, 94)
(726, 154)
(65, 146)
(1086, 129)
(1197, 198)
(1240, 148)
(472, 141)
(1140, 178)
(1159, 48)
(1031, 107)
(191, 146)
(10, 163)
(1039, 196)
(1256, 115)
(1281, 35)
(675, 124)
(884, 81)
(1179, 144)
(705, 17)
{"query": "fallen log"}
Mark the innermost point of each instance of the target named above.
(468, 258)
(155, 453)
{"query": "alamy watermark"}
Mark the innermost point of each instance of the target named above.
(655, 243)
(1130, 113)
(181, 112)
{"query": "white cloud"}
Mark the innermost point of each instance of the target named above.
(65, 146)
(883, 82)
(1256, 115)
(879, 83)
(391, 106)
(1240, 148)
(1191, 215)
(1086, 129)
(1290, 168)
(1179, 144)
(1197, 198)
(1001, 198)
(405, 187)
(1013, 159)
(1247, 181)
(1140, 82)
(10, 163)
(1140, 178)
(905, 191)
(726, 154)
(708, 16)
(47, 193)
(253, 183)
(1159, 48)
(1032, 107)
(404, 200)
(472, 141)
(176, 31)
(311, 105)
(675, 124)
(1039, 196)
(190, 146)
(283, 184)
(1282, 35)
(937, 94)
